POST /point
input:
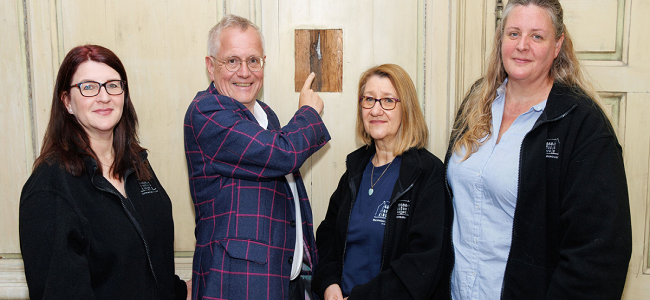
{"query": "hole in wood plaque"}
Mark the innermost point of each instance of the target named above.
(319, 51)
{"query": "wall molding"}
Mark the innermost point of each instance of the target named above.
(14, 286)
(12, 279)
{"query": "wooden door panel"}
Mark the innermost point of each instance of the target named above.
(17, 152)
(637, 164)
(593, 24)
(162, 46)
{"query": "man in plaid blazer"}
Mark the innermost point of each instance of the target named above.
(244, 176)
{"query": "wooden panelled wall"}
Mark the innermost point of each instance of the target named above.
(441, 43)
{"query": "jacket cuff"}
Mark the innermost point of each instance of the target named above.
(320, 284)
(315, 119)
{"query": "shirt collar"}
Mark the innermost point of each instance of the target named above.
(260, 115)
(501, 91)
(540, 106)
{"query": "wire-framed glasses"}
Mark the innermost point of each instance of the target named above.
(233, 63)
(91, 88)
(386, 103)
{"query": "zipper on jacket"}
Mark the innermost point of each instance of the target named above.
(386, 229)
(353, 190)
(521, 151)
(133, 221)
(448, 156)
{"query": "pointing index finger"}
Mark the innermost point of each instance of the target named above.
(308, 81)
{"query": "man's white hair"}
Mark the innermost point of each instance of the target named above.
(214, 42)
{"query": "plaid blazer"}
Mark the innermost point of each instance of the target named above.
(245, 227)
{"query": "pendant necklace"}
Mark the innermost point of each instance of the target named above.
(372, 185)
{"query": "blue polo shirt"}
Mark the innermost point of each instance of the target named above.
(366, 228)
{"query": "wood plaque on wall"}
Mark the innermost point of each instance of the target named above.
(319, 51)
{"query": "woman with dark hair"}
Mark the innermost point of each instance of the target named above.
(386, 234)
(95, 223)
(539, 191)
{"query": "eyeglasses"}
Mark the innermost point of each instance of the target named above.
(92, 88)
(233, 63)
(385, 103)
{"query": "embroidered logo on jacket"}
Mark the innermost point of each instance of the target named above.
(553, 148)
(147, 188)
(403, 209)
(381, 213)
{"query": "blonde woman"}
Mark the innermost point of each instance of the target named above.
(536, 173)
(386, 234)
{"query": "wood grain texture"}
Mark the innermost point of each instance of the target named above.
(319, 51)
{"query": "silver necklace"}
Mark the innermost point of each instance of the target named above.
(372, 185)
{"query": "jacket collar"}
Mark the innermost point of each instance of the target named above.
(561, 101)
(413, 167)
(91, 164)
(410, 169)
(212, 89)
(356, 161)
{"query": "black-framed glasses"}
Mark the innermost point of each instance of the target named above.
(91, 88)
(233, 63)
(385, 103)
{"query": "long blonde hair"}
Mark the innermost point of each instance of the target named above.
(474, 118)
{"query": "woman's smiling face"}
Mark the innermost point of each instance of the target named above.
(99, 114)
(382, 125)
(528, 45)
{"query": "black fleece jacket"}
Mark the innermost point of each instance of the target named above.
(571, 236)
(81, 239)
(416, 255)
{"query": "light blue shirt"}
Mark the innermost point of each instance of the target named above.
(485, 195)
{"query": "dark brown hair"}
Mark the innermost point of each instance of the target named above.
(65, 139)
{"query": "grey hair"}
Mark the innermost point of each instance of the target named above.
(230, 20)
